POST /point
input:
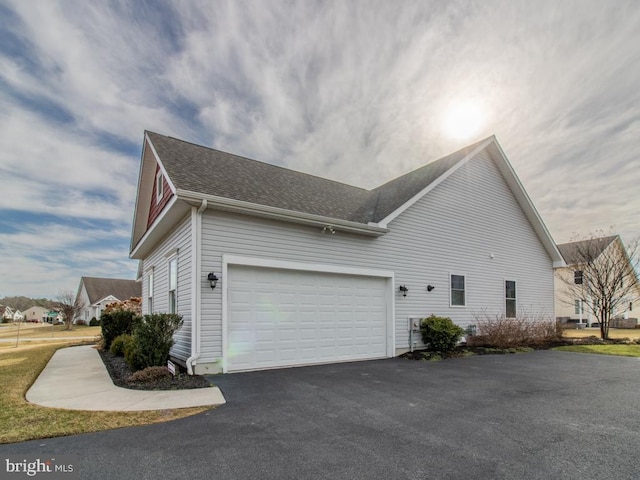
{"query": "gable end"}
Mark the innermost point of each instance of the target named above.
(161, 196)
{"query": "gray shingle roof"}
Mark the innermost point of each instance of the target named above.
(571, 251)
(207, 171)
(99, 288)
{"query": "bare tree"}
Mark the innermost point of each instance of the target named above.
(604, 277)
(69, 305)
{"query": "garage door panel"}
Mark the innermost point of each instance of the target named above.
(287, 317)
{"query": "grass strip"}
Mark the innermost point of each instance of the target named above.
(620, 350)
(21, 420)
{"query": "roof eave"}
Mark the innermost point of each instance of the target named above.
(275, 213)
(170, 211)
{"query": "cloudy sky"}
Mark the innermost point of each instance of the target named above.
(357, 91)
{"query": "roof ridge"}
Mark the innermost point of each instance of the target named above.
(467, 148)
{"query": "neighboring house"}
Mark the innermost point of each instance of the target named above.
(36, 313)
(310, 270)
(10, 315)
(96, 293)
(54, 317)
(7, 313)
(572, 308)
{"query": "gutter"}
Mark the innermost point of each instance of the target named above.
(196, 285)
(266, 211)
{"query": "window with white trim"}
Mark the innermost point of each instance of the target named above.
(173, 284)
(458, 290)
(579, 307)
(510, 298)
(159, 186)
(150, 292)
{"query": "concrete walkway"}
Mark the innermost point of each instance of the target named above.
(76, 379)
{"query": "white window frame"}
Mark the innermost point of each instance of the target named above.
(464, 290)
(514, 299)
(159, 186)
(172, 282)
(577, 306)
(150, 288)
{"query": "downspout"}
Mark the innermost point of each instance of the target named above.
(196, 284)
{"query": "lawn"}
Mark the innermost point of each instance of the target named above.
(631, 333)
(44, 330)
(21, 420)
(621, 350)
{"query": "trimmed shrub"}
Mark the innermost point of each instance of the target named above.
(440, 334)
(153, 339)
(119, 344)
(94, 322)
(131, 353)
(116, 323)
(149, 374)
(80, 322)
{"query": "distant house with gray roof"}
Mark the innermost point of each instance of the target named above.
(569, 306)
(96, 293)
(271, 267)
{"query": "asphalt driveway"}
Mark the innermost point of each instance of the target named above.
(539, 415)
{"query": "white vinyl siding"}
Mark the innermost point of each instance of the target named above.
(469, 223)
(177, 245)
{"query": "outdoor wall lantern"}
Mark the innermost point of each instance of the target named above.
(430, 287)
(213, 280)
(404, 290)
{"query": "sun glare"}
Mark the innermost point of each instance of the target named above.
(464, 120)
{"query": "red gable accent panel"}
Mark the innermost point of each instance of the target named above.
(158, 204)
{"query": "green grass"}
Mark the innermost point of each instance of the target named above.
(21, 420)
(621, 350)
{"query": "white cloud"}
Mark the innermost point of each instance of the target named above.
(48, 258)
(49, 168)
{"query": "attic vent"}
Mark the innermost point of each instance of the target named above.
(159, 185)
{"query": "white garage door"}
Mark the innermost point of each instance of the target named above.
(280, 317)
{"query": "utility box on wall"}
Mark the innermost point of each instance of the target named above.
(414, 324)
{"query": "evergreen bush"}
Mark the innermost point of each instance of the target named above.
(153, 339)
(119, 344)
(440, 334)
(116, 323)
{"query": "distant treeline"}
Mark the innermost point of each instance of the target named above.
(24, 303)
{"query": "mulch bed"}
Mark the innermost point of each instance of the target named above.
(467, 350)
(120, 371)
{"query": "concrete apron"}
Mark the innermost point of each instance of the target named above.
(76, 379)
